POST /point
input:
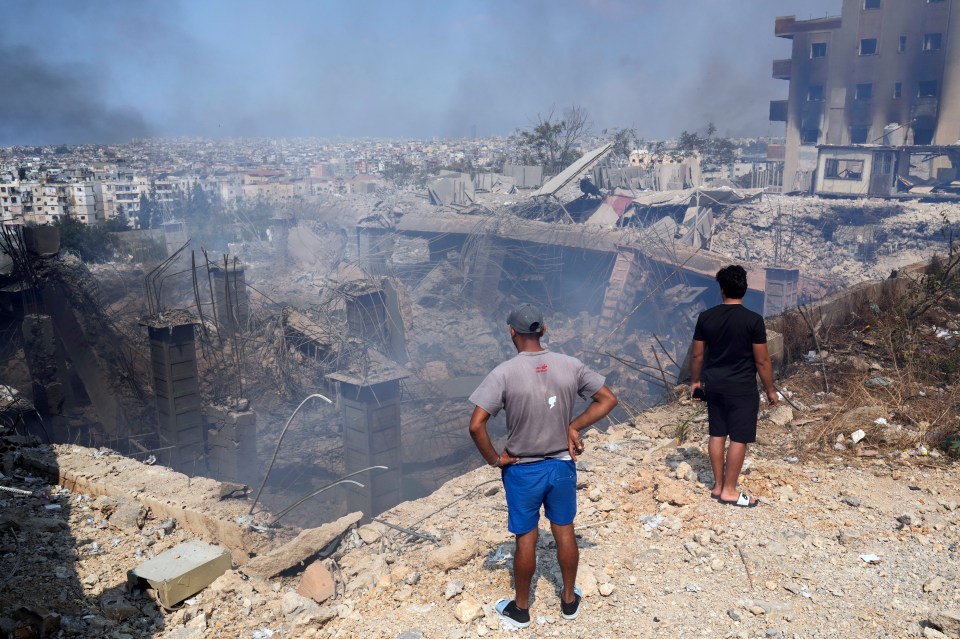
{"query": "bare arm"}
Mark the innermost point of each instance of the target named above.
(696, 364)
(603, 402)
(765, 368)
(478, 431)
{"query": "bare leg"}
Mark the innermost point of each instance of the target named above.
(735, 455)
(715, 449)
(568, 556)
(524, 563)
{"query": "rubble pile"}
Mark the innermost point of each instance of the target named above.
(800, 231)
(860, 546)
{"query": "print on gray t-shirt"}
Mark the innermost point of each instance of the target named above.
(539, 392)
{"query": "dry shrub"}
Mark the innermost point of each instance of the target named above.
(921, 399)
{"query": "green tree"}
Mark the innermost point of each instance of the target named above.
(624, 141)
(552, 142)
(715, 152)
(91, 243)
(200, 205)
(148, 211)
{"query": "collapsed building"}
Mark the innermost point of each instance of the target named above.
(390, 308)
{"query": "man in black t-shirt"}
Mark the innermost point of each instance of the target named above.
(730, 348)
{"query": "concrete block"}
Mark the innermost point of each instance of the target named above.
(182, 571)
(317, 583)
(41, 240)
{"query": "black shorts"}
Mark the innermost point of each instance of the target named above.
(734, 416)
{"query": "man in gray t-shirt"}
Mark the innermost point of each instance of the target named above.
(538, 389)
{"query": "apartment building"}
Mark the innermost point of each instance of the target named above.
(81, 200)
(883, 72)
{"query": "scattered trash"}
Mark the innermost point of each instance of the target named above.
(857, 435)
(151, 460)
(877, 381)
(499, 556)
(880, 420)
(870, 558)
(52, 506)
(792, 460)
(810, 356)
(692, 587)
(262, 633)
(651, 522)
(190, 602)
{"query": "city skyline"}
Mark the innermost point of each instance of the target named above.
(109, 71)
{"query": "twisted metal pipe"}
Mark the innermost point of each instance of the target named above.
(277, 449)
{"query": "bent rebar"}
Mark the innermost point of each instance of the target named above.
(280, 441)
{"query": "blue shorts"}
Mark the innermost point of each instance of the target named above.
(551, 483)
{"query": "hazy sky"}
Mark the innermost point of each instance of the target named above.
(76, 71)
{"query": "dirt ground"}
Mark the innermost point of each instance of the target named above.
(842, 545)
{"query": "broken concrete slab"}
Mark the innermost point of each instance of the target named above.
(453, 556)
(947, 622)
(129, 516)
(308, 543)
(182, 571)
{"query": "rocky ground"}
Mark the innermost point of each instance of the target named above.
(842, 545)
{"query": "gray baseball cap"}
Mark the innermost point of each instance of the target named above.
(526, 319)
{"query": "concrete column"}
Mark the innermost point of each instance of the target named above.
(279, 237)
(231, 298)
(621, 289)
(371, 437)
(45, 364)
(232, 441)
(375, 245)
(483, 274)
(780, 292)
(177, 387)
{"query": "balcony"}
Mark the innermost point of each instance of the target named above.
(782, 69)
(778, 110)
(787, 26)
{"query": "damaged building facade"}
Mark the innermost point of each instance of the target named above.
(883, 72)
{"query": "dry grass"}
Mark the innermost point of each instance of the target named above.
(886, 354)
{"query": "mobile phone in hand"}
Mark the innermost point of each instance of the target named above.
(698, 394)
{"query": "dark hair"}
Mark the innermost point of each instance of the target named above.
(733, 281)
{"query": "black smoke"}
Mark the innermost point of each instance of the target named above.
(45, 103)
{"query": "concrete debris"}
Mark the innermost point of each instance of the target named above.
(467, 609)
(182, 571)
(317, 582)
(306, 544)
(454, 555)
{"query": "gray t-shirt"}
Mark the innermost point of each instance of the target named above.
(539, 392)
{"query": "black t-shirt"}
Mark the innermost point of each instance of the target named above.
(730, 331)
